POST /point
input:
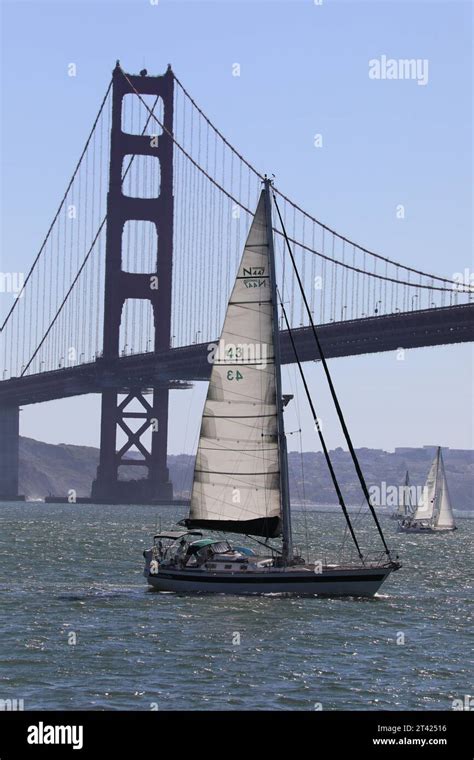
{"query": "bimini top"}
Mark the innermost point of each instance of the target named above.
(175, 535)
(216, 546)
(205, 542)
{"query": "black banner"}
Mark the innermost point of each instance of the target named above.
(421, 734)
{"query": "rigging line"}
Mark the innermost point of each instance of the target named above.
(298, 208)
(60, 206)
(293, 384)
(345, 530)
(264, 543)
(333, 393)
(303, 478)
(101, 226)
(248, 211)
(320, 434)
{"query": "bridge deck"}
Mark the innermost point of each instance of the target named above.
(179, 366)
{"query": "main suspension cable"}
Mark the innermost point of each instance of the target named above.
(325, 227)
(295, 242)
(85, 260)
(32, 268)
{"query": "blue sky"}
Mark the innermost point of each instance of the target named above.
(304, 70)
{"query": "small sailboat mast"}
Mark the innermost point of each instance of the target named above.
(287, 548)
(437, 490)
(404, 508)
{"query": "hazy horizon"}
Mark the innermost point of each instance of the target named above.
(290, 450)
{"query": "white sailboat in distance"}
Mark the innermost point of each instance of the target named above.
(434, 513)
(405, 507)
(240, 483)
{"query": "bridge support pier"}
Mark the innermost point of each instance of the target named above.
(108, 486)
(9, 452)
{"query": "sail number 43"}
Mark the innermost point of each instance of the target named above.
(231, 375)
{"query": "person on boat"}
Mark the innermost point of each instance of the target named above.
(181, 551)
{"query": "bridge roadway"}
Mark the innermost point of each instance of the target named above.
(177, 367)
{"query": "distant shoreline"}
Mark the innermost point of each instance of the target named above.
(57, 469)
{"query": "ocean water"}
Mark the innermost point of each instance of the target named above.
(74, 573)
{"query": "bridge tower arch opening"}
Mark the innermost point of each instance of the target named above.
(152, 147)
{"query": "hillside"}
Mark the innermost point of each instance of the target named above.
(47, 469)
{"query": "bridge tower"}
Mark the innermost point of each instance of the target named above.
(120, 285)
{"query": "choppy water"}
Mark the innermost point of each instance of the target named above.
(77, 569)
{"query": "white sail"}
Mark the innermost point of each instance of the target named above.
(444, 517)
(404, 505)
(236, 482)
(426, 505)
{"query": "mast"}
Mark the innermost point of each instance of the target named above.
(284, 485)
(406, 499)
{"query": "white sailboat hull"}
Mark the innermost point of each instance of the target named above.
(301, 581)
(428, 529)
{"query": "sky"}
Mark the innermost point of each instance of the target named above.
(304, 70)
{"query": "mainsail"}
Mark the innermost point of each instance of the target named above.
(236, 484)
(444, 517)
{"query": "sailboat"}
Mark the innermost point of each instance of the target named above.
(405, 506)
(434, 513)
(240, 483)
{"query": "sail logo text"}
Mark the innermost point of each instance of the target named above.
(42, 734)
(254, 354)
(391, 496)
(254, 271)
(254, 277)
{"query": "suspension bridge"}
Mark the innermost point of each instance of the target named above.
(131, 281)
